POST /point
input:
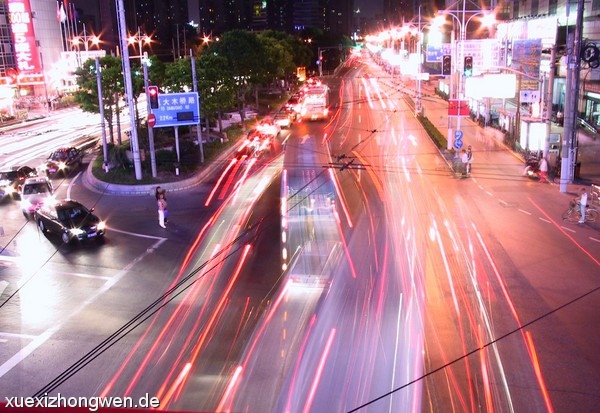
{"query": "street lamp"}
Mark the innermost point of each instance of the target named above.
(419, 48)
(462, 25)
(87, 40)
(141, 39)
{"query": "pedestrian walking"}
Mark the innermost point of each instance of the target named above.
(583, 204)
(162, 209)
(469, 159)
(543, 169)
(464, 158)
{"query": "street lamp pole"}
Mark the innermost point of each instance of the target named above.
(462, 25)
(418, 108)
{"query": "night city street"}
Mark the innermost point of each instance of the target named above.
(350, 271)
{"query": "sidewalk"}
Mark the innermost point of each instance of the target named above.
(484, 139)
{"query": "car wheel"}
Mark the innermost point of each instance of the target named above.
(41, 226)
(65, 238)
(26, 215)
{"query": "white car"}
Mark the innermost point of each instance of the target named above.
(283, 120)
(35, 192)
(267, 126)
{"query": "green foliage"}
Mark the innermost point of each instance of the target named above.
(178, 76)
(438, 138)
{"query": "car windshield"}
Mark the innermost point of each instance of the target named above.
(40, 188)
(59, 156)
(65, 214)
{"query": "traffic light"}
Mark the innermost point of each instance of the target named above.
(447, 65)
(153, 96)
(468, 69)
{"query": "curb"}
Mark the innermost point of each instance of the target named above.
(106, 188)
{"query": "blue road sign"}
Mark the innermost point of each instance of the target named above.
(434, 53)
(458, 135)
(458, 143)
(177, 109)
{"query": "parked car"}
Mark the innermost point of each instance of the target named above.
(65, 160)
(11, 180)
(71, 220)
(35, 192)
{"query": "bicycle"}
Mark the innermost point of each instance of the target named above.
(573, 213)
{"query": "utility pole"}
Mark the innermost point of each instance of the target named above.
(569, 144)
(135, 147)
(101, 107)
(199, 126)
(150, 129)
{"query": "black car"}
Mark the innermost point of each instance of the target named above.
(71, 220)
(11, 180)
(65, 160)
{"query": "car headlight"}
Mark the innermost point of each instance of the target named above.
(101, 225)
(50, 201)
(76, 231)
(61, 165)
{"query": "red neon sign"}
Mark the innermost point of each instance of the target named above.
(21, 26)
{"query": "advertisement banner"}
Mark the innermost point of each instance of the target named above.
(21, 26)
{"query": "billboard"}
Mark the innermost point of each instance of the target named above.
(26, 53)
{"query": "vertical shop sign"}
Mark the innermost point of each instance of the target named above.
(21, 26)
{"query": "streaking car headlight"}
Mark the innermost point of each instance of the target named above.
(101, 225)
(50, 201)
(76, 231)
(62, 165)
(25, 204)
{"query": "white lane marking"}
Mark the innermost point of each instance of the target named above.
(547, 221)
(595, 239)
(79, 274)
(72, 183)
(137, 234)
(523, 211)
(567, 229)
(42, 338)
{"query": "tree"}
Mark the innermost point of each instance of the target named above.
(178, 76)
(280, 59)
(111, 78)
(245, 55)
(216, 86)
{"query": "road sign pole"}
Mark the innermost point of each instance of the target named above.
(199, 125)
(150, 129)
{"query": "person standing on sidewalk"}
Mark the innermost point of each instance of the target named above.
(583, 204)
(162, 209)
(543, 169)
(469, 159)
